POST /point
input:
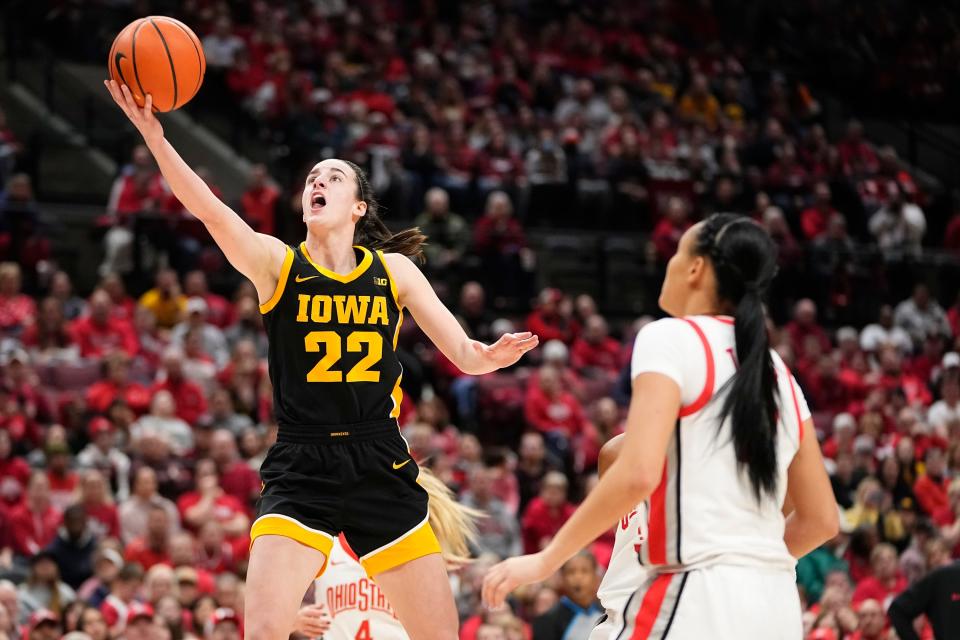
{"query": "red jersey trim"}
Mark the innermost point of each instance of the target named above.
(704, 396)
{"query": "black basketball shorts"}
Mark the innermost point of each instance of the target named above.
(359, 480)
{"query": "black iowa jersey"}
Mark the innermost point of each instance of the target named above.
(332, 342)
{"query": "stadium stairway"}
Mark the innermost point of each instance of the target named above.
(85, 138)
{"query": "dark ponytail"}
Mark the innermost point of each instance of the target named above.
(373, 234)
(744, 260)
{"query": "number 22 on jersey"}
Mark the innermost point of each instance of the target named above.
(357, 342)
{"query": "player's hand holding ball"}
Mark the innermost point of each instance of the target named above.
(155, 64)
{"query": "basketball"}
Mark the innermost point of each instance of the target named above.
(160, 56)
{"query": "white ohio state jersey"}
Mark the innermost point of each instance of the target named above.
(624, 573)
(359, 609)
(704, 511)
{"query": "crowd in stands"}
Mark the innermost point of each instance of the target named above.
(133, 418)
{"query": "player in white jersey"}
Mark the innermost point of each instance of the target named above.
(348, 604)
(720, 444)
(624, 572)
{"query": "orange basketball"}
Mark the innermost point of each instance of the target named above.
(160, 56)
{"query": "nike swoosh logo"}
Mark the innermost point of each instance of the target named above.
(299, 279)
(402, 464)
(116, 62)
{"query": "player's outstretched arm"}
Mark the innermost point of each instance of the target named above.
(470, 356)
(815, 515)
(631, 478)
(255, 255)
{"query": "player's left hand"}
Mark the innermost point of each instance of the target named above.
(503, 578)
(509, 348)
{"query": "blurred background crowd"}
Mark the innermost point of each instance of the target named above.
(135, 410)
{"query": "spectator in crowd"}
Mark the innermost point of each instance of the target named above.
(921, 316)
(49, 339)
(103, 455)
(209, 502)
(92, 623)
(247, 326)
(885, 581)
(533, 464)
(501, 245)
(552, 318)
(259, 202)
(899, 226)
(74, 546)
(221, 46)
(546, 513)
(236, 477)
(63, 480)
(165, 301)
(219, 310)
(17, 310)
(43, 624)
(152, 547)
(578, 611)
(212, 339)
(162, 422)
(100, 331)
(448, 232)
(61, 289)
(804, 326)
(498, 531)
(135, 511)
(885, 332)
(34, 522)
(817, 218)
(43, 588)
(595, 352)
(187, 395)
(931, 487)
(116, 385)
(98, 505)
(554, 412)
(667, 233)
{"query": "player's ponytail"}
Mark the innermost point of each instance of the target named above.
(744, 260)
(454, 524)
(373, 234)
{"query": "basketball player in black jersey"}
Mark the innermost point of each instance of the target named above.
(332, 308)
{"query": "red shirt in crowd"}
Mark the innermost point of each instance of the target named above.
(871, 588)
(14, 475)
(552, 327)
(501, 236)
(260, 208)
(96, 340)
(559, 413)
(242, 482)
(104, 518)
(931, 494)
(798, 334)
(607, 355)
(101, 394)
(133, 194)
(139, 550)
(666, 238)
(16, 311)
(63, 488)
(226, 507)
(814, 221)
(31, 532)
(541, 522)
(189, 397)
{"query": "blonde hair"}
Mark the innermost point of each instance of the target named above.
(454, 523)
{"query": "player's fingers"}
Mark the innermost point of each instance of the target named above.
(314, 629)
(128, 101)
(523, 335)
(117, 95)
(148, 106)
